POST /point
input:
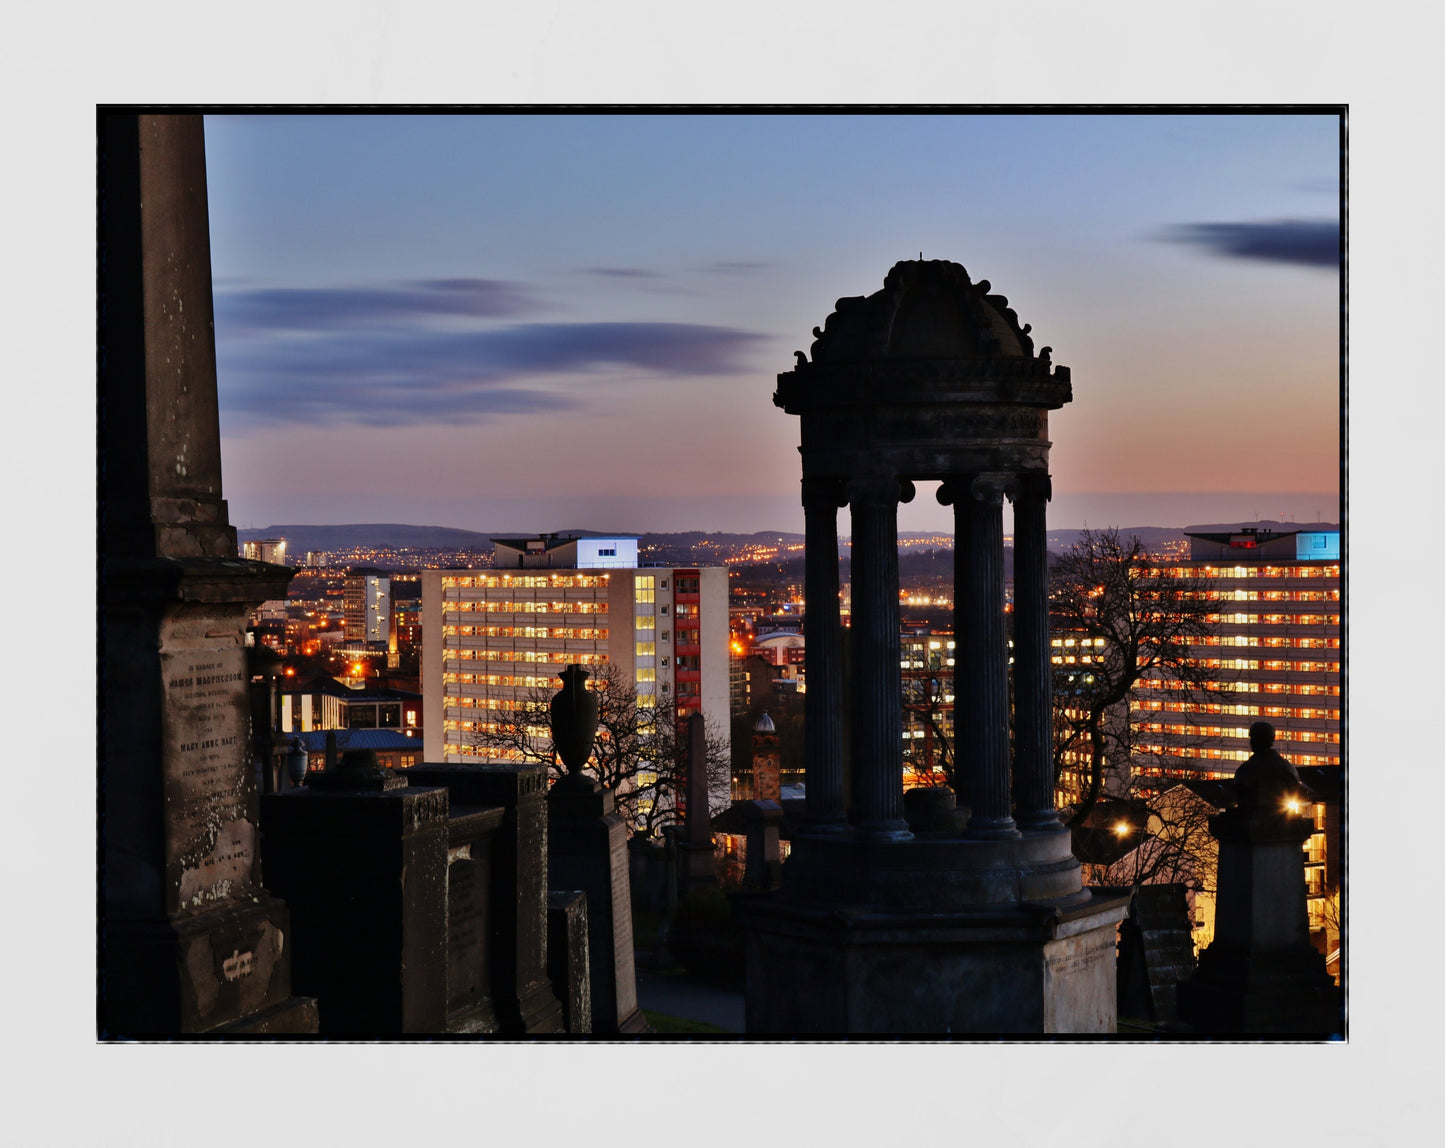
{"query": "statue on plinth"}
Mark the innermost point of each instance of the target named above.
(1267, 783)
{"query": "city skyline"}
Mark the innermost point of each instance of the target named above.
(549, 322)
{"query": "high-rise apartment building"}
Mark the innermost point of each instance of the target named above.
(1277, 653)
(494, 638)
(367, 603)
(265, 550)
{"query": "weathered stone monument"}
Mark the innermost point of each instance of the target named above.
(587, 851)
(190, 940)
(361, 857)
(1261, 975)
(878, 928)
(697, 868)
(521, 995)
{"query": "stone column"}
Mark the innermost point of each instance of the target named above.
(823, 702)
(878, 681)
(981, 650)
(1033, 666)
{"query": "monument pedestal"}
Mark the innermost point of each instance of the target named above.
(934, 935)
(587, 851)
(1261, 974)
(190, 941)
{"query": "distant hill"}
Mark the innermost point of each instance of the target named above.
(300, 539)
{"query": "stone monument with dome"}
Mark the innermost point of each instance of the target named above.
(984, 928)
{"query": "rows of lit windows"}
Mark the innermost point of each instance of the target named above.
(523, 680)
(1261, 571)
(1255, 639)
(576, 633)
(1274, 619)
(1233, 731)
(541, 656)
(1157, 705)
(1299, 759)
(498, 705)
(541, 606)
(536, 581)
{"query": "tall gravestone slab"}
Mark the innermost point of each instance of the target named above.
(469, 897)
(521, 988)
(361, 857)
(697, 852)
(190, 940)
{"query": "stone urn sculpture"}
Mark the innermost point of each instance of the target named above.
(575, 711)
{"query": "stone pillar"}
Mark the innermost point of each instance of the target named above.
(568, 962)
(762, 820)
(361, 857)
(823, 702)
(190, 940)
(587, 851)
(1261, 974)
(981, 651)
(877, 650)
(696, 849)
(1033, 663)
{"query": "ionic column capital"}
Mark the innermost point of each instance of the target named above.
(1032, 486)
(881, 490)
(987, 487)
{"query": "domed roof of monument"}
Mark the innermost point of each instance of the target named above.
(764, 724)
(927, 309)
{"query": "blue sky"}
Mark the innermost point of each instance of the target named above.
(542, 322)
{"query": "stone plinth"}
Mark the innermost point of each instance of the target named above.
(587, 851)
(365, 873)
(939, 934)
(521, 989)
(761, 822)
(1261, 974)
(470, 833)
(568, 961)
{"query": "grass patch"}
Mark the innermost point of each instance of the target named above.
(663, 1023)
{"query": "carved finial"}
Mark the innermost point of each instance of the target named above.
(1045, 354)
(985, 286)
(802, 358)
(1028, 327)
(817, 332)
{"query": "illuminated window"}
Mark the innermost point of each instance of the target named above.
(646, 649)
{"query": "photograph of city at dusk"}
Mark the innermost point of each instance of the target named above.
(724, 577)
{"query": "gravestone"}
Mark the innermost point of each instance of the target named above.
(568, 960)
(696, 848)
(361, 857)
(521, 988)
(470, 834)
(190, 940)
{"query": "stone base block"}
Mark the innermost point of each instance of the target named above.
(1280, 993)
(198, 973)
(1032, 968)
(294, 1017)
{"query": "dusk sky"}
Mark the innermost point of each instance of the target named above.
(543, 322)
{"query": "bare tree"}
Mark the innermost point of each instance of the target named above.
(1141, 620)
(640, 754)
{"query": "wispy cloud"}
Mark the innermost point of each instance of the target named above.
(736, 267)
(1302, 242)
(370, 355)
(622, 272)
(323, 308)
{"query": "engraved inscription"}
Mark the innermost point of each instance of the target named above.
(237, 965)
(210, 836)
